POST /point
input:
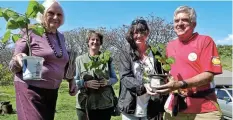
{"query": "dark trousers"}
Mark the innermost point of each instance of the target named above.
(99, 114)
(33, 103)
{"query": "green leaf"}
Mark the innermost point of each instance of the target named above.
(11, 14)
(1, 10)
(162, 46)
(38, 30)
(33, 8)
(99, 72)
(170, 60)
(41, 9)
(21, 21)
(107, 55)
(86, 65)
(147, 51)
(154, 49)
(5, 16)
(16, 37)
(158, 57)
(6, 36)
(95, 64)
(166, 67)
(12, 24)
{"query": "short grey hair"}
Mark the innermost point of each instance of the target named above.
(47, 4)
(188, 10)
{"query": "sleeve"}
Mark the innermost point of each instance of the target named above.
(209, 59)
(113, 77)
(78, 80)
(20, 47)
(127, 77)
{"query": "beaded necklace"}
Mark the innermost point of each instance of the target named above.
(59, 43)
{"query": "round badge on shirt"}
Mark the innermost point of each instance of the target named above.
(192, 56)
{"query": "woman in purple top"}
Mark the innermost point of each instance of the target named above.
(36, 99)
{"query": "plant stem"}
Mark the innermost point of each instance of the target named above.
(27, 41)
(162, 68)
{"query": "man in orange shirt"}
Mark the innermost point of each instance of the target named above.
(196, 63)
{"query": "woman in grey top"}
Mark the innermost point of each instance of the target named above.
(95, 95)
(36, 99)
(134, 101)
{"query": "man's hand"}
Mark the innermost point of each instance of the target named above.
(167, 88)
(72, 88)
(149, 89)
(94, 84)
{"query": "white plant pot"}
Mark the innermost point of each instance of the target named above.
(156, 81)
(32, 67)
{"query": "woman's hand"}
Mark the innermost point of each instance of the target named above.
(94, 84)
(149, 89)
(72, 88)
(18, 59)
(103, 82)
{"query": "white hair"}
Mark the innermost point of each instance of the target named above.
(185, 9)
(47, 4)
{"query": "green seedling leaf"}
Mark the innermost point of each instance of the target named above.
(95, 64)
(99, 72)
(41, 9)
(86, 65)
(6, 36)
(38, 30)
(166, 67)
(147, 51)
(154, 49)
(107, 55)
(11, 14)
(21, 21)
(162, 46)
(158, 57)
(32, 10)
(16, 37)
(1, 10)
(170, 60)
(5, 16)
(12, 24)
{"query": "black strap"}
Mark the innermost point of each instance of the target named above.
(202, 94)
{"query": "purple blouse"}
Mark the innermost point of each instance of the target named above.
(53, 68)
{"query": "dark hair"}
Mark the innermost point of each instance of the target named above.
(90, 32)
(137, 25)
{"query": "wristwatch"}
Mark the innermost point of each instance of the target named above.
(184, 84)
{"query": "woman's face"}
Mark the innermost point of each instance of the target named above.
(140, 37)
(54, 17)
(94, 42)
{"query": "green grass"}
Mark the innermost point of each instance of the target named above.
(65, 109)
(226, 63)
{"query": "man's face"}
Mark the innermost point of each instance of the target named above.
(183, 25)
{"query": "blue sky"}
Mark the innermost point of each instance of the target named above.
(214, 18)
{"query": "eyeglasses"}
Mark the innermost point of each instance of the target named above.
(142, 21)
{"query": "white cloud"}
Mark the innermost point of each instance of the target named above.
(228, 40)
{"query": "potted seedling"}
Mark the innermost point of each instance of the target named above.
(98, 64)
(156, 79)
(16, 21)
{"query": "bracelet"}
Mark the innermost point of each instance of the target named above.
(184, 84)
